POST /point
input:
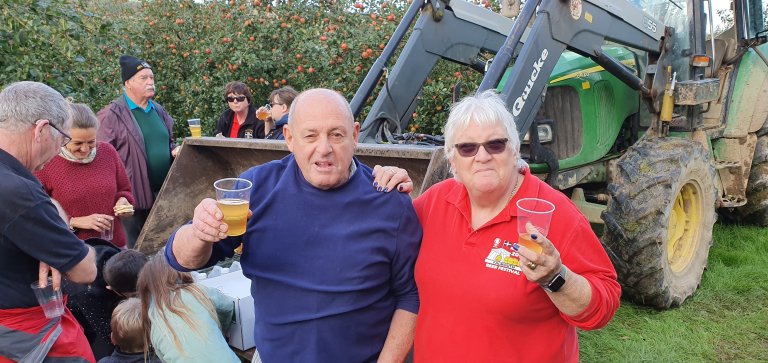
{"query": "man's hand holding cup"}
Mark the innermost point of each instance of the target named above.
(208, 222)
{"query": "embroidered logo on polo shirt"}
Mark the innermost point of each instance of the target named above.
(503, 258)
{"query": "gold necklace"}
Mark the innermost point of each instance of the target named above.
(517, 186)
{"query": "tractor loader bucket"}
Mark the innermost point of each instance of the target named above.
(202, 161)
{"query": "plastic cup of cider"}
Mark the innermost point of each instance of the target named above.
(537, 212)
(263, 113)
(233, 196)
(195, 128)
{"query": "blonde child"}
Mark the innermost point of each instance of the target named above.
(128, 334)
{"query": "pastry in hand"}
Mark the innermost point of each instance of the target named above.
(123, 209)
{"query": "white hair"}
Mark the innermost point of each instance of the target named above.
(486, 109)
(23, 103)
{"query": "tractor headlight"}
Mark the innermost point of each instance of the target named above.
(545, 134)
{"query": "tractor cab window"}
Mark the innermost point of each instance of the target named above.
(753, 12)
(675, 14)
(720, 35)
(721, 20)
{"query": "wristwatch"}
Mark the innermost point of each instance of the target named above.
(557, 282)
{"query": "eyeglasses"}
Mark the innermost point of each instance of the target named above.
(67, 138)
(272, 104)
(236, 98)
(469, 149)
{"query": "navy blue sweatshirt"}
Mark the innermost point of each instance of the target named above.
(328, 267)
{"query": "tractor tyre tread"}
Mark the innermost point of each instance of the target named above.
(644, 186)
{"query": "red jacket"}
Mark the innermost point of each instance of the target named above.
(27, 333)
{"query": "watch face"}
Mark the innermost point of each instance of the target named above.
(556, 283)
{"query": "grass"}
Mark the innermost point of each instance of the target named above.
(725, 321)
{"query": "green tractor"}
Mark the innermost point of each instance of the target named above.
(652, 171)
(659, 183)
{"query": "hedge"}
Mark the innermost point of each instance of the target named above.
(196, 48)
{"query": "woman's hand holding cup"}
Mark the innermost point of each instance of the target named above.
(542, 266)
(97, 222)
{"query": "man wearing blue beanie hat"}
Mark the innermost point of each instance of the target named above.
(142, 132)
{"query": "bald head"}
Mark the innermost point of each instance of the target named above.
(322, 135)
(329, 100)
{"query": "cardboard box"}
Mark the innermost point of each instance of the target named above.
(237, 286)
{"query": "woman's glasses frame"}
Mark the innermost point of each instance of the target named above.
(470, 149)
(231, 99)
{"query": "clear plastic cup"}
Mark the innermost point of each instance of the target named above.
(233, 196)
(49, 299)
(195, 129)
(537, 212)
(108, 233)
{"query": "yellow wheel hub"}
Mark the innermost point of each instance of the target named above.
(683, 233)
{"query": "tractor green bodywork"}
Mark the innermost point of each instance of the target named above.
(604, 104)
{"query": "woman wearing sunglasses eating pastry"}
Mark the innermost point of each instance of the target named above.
(484, 297)
(239, 121)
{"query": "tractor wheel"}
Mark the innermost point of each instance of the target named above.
(756, 209)
(658, 223)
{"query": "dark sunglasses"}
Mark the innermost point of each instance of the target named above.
(238, 98)
(272, 104)
(469, 149)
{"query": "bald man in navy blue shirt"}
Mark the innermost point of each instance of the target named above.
(330, 258)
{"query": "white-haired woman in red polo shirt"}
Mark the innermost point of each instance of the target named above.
(527, 305)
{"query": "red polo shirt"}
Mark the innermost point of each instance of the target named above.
(235, 127)
(478, 306)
